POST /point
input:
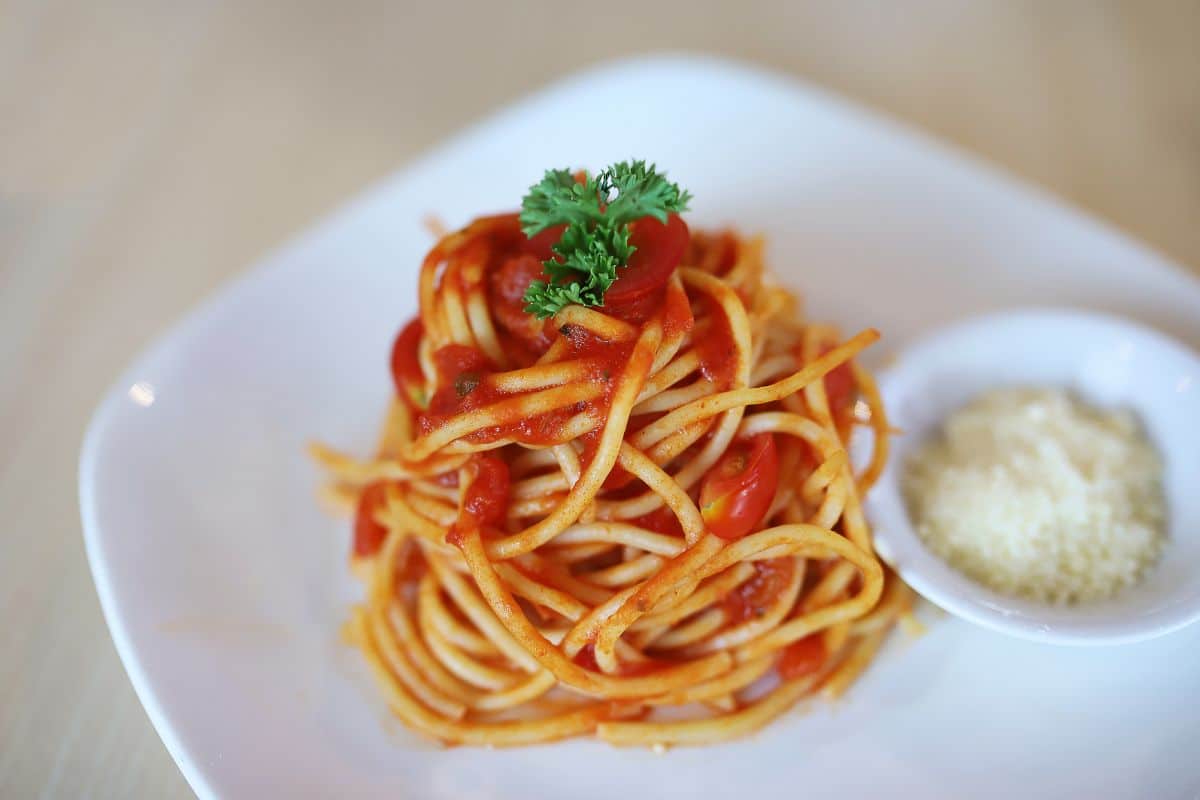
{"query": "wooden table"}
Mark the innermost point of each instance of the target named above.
(150, 151)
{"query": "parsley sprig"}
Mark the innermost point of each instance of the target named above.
(597, 213)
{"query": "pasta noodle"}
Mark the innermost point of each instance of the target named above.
(635, 521)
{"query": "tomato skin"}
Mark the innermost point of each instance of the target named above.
(541, 245)
(802, 657)
(738, 490)
(660, 248)
(406, 366)
(507, 285)
(369, 534)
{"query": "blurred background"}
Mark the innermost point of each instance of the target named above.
(150, 151)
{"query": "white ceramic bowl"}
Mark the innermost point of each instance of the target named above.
(1106, 361)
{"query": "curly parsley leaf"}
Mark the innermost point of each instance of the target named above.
(595, 242)
(634, 190)
(556, 200)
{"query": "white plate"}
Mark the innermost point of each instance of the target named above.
(225, 586)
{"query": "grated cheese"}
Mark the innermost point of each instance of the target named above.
(1034, 494)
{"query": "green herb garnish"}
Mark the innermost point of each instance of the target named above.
(597, 213)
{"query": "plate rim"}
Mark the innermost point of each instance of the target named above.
(98, 565)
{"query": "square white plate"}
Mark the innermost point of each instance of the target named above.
(225, 586)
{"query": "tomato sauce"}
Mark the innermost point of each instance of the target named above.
(464, 385)
(717, 350)
(841, 394)
(369, 534)
(677, 314)
(406, 367)
(802, 657)
(839, 390)
(485, 498)
(661, 520)
(485, 501)
(753, 597)
(586, 658)
(610, 360)
(410, 564)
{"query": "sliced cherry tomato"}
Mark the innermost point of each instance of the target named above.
(369, 534)
(508, 285)
(406, 367)
(802, 657)
(660, 248)
(540, 246)
(737, 492)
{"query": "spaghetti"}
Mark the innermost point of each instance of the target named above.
(635, 521)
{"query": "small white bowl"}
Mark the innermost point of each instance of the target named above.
(1106, 361)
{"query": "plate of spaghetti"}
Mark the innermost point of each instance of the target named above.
(526, 475)
(613, 486)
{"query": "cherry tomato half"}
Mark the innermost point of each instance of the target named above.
(508, 284)
(406, 368)
(539, 246)
(660, 248)
(369, 534)
(737, 492)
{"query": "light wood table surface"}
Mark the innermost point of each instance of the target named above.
(149, 152)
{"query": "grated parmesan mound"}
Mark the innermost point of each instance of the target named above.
(1034, 494)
